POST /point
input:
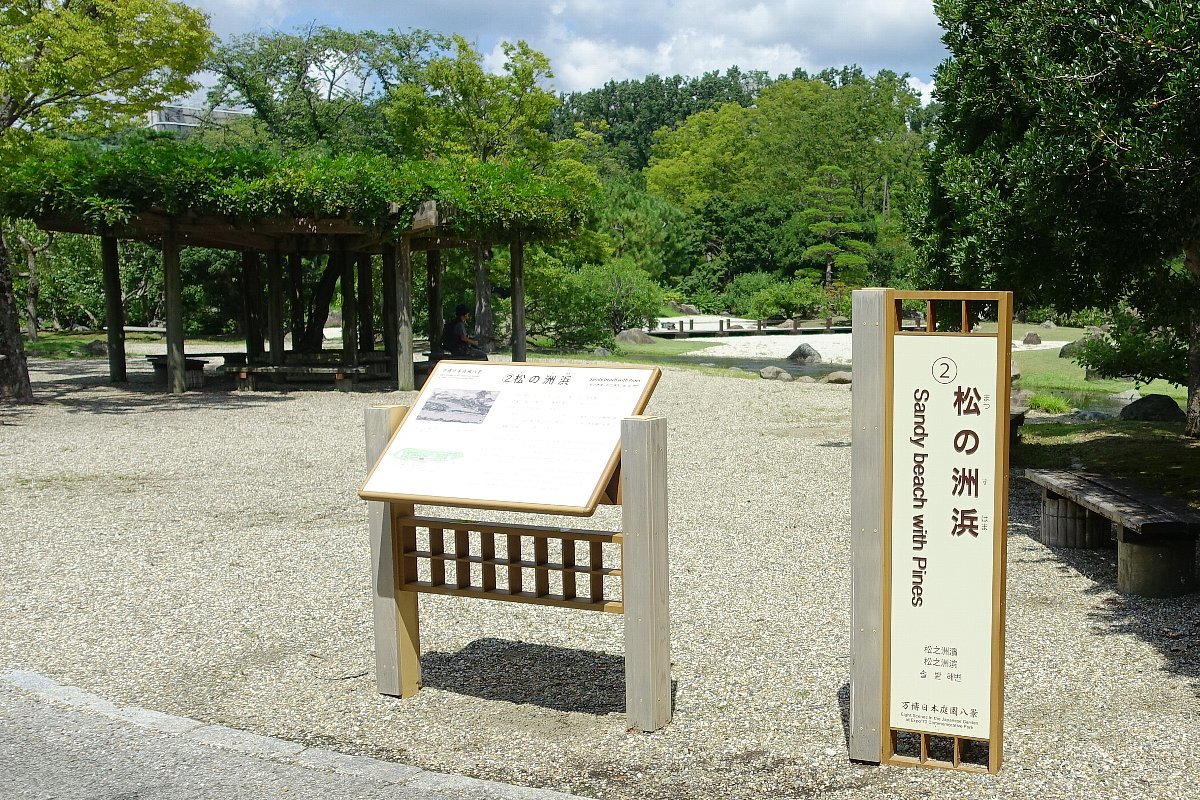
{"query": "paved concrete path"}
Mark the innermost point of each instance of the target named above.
(61, 743)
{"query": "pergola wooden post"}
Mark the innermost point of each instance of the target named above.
(349, 309)
(366, 304)
(433, 283)
(518, 300)
(388, 276)
(405, 373)
(275, 305)
(114, 309)
(251, 293)
(173, 289)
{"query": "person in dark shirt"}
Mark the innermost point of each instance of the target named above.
(455, 340)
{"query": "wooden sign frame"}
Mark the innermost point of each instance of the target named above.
(877, 325)
(603, 484)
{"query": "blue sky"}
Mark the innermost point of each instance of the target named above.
(592, 41)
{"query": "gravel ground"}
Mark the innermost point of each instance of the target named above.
(206, 555)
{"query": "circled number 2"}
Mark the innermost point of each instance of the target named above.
(944, 370)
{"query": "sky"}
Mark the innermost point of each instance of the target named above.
(590, 42)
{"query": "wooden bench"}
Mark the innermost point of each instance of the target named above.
(1156, 537)
(344, 378)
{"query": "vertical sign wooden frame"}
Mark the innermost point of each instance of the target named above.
(919, 733)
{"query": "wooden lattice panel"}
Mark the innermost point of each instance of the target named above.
(916, 749)
(509, 562)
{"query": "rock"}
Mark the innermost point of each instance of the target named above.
(770, 373)
(736, 369)
(1092, 330)
(806, 379)
(685, 308)
(1090, 374)
(1069, 349)
(839, 377)
(785, 376)
(1128, 395)
(96, 348)
(1049, 325)
(785, 325)
(805, 354)
(676, 306)
(1031, 338)
(635, 336)
(1154, 408)
(602, 351)
(79, 329)
(1020, 400)
(1089, 416)
(734, 327)
(1015, 372)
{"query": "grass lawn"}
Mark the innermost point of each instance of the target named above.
(56, 345)
(1152, 454)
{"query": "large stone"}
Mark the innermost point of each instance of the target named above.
(806, 379)
(1015, 372)
(785, 376)
(770, 373)
(1031, 338)
(1020, 399)
(1154, 408)
(1049, 325)
(1069, 349)
(805, 354)
(839, 377)
(687, 308)
(96, 348)
(635, 336)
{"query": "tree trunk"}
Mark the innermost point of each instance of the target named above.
(322, 296)
(1191, 257)
(31, 295)
(485, 326)
(295, 271)
(14, 370)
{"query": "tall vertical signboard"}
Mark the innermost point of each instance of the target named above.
(941, 533)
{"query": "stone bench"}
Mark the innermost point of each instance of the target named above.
(1156, 537)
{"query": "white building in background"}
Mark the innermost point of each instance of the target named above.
(183, 120)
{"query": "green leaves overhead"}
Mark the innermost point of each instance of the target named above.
(109, 185)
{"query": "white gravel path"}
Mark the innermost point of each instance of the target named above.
(205, 555)
(834, 347)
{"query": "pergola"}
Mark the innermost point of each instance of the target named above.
(281, 239)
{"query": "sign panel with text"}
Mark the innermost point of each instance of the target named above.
(943, 526)
(541, 437)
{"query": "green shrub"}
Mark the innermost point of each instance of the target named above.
(1050, 403)
(739, 294)
(800, 296)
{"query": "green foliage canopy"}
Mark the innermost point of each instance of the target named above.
(108, 186)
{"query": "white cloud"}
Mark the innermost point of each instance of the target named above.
(592, 41)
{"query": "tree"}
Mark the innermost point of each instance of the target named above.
(319, 86)
(829, 216)
(1066, 163)
(75, 66)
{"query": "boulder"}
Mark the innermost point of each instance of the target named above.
(95, 348)
(839, 377)
(79, 329)
(1019, 401)
(687, 308)
(805, 354)
(1069, 349)
(1128, 396)
(1049, 325)
(635, 336)
(785, 376)
(1089, 416)
(1031, 338)
(1154, 408)
(1015, 372)
(770, 373)
(602, 351)
(806, 379)
(733, 326)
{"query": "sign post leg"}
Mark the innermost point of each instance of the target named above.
(866, 523)
(645, 573)
(397, 632)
